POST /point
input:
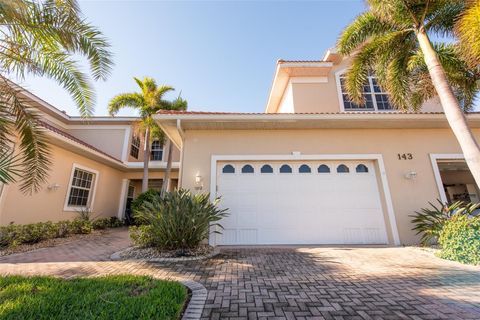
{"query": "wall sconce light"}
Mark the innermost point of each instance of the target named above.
(198, 182)
(411, 175)
(53, 187)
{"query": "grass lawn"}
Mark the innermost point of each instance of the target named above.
(112, 297)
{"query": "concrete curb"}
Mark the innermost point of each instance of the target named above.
(197, 301)
(117, 257)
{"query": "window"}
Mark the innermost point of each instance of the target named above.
(342, 169)
(285, 169)
(228, 169)
(304, 169)
(135, 147)
(323, 169)
(157, 151)
(155, 184)
(247, 169)
(266, 169)
(375, 98)
(81, 188)
(131, 192)
(361, 168)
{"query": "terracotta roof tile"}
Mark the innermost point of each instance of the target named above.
(75, 139)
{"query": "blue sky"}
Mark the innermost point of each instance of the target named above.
(220, 54)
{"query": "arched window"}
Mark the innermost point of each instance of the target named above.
(304, 169)
(266, 168)
(285, 169)
(323, 169)
(228, 169)
(361, 168)
(342, 169)
(247, 169)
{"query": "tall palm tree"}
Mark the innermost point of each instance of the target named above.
(41, 38)
(148, 102)
(177, 104)
(467, 28)
(392, 39)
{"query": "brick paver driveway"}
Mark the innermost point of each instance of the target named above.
(290, 283)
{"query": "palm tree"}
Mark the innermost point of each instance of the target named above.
(40, 38)
(392, 39)
(148, 102)
(177, 104)
(467, 28)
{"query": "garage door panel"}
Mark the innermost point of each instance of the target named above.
(302, 208)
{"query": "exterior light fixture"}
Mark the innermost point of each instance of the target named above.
(54, 187)
(198, 182)
(412, 175)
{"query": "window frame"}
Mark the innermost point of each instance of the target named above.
(157, 150)
(133, 146)
(229, 165)
(249, 166)
(92, 192)
(341, 73)
(265, 165)
(283, 165)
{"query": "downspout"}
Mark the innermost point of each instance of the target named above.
(182, 136)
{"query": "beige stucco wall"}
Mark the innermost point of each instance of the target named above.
(49, 204)
(107, 140)
(407, 195)
(319, 96)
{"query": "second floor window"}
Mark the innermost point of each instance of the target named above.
(135, 148)
(156, 151)
(375, 98)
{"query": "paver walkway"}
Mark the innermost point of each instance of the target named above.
(289, 283)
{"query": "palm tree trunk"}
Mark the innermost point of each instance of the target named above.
(166, 180)
(146, 159)
(453, 112)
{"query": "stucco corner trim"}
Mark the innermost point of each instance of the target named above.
(292, 157)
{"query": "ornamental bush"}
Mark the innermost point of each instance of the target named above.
(179, 220)
(460, 239)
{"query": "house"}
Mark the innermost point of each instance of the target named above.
(315, 168)
(96, 164)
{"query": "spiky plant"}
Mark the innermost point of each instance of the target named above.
(41, 38)
(430, 221)
(148, 102)
(392, 39)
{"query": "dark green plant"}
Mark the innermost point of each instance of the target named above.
(460, 239)
(430, 221)
(104, 223)
(179, 220)
(148, 196)
(79, 226)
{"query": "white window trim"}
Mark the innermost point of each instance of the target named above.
(214, 238)
(131, 145)
(338, 75)
(163, 151)
(92, 193)
(434, 157)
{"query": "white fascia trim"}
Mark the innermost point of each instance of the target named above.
(324, 64)
(99, 127)
(151, 165)
(92, 193)
(126, 143)
(434, 157)
(294, 80)
(376, 157)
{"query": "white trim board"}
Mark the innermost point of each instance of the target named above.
(92, 193)
(434, 157)
(376, 157)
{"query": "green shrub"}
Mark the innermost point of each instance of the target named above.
(145, 197)
(180, 220)
(460, 239)
(429, 222)
(104, 223)
(79, 226)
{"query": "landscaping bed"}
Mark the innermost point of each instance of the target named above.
(200, 252)
(111, 297)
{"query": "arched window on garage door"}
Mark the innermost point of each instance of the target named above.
(304, 169)
(228, 169)
(247, 169)
(285, 169)
(266, 168)
(342, 169)
(323, 169)
(361, 168)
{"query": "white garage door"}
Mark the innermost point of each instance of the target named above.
(329, 202)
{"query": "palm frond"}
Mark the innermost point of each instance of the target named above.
(467, 29)
(125, 100)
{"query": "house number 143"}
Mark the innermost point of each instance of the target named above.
(405, 156)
